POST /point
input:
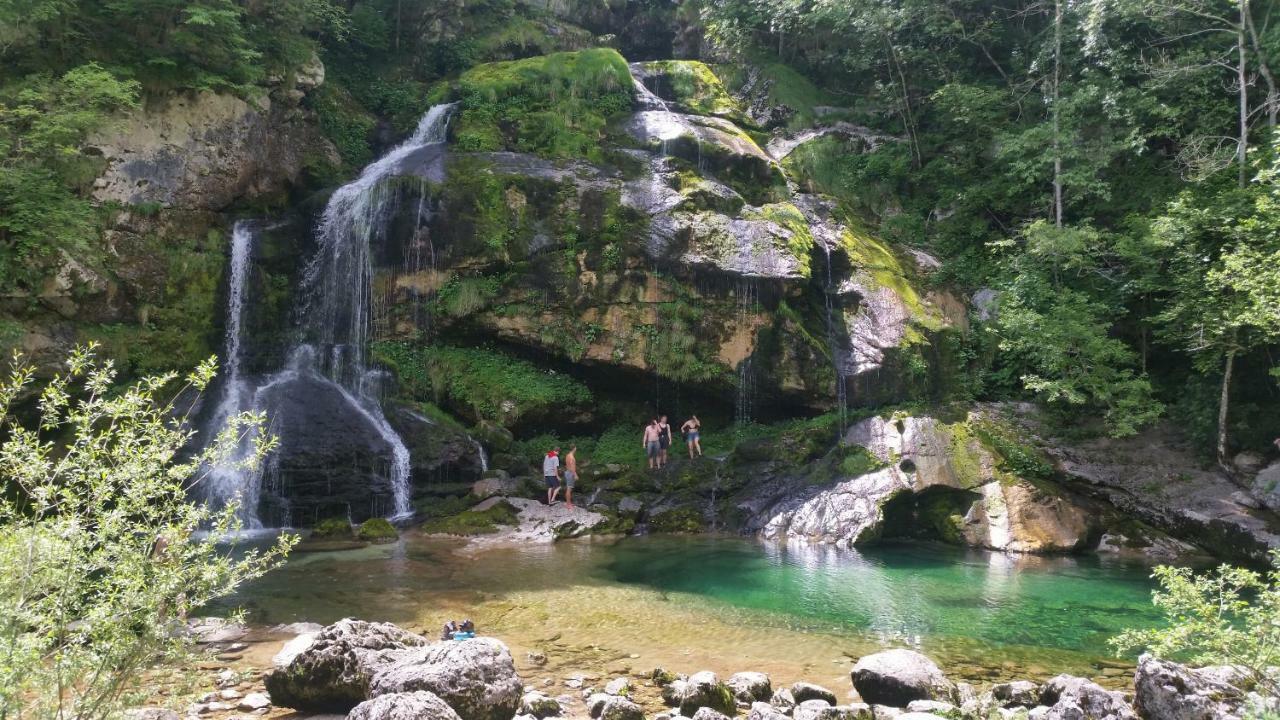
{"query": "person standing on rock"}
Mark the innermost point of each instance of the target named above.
(664, 440)
(551, 474)
(650, 443)
(691, 438)
(570, 474)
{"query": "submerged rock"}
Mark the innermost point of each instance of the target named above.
(419, 705)
(897, 677)
(333, 672)
(539, 705)
(476, 677)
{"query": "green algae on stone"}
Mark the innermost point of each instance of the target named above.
(554, 106)
(694, 85)
(377, 530)
(475, 522)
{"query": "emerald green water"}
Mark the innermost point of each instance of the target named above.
(727, 603)
(905, 591)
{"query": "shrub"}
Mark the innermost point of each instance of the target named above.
(99, 554)
(332, 529)
(377, 530)
(1230, 616)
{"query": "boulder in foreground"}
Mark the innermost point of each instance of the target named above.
(476, 677)
(897, 677)
(418, 705)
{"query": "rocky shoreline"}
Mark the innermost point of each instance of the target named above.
(379, 671)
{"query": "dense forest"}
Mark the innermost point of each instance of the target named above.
(1106, 167)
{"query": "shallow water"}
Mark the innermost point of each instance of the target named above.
(729, 604)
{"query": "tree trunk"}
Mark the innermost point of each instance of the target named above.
(1223, 403)
(1057, 126)
(1242, 149)
(1273, 93)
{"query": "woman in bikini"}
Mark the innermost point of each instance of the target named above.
(690, 430)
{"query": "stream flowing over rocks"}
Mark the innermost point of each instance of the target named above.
(375, 671)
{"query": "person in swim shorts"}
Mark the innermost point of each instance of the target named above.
(690, 429)
(551, 474)
(650, 443)
(570, 474)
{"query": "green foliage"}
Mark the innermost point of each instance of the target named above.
(858, 461)
(99, 556)
(475, 522)
(377, 530)
(693, 84)
(347, 125)
(1012, 454)
(1230, 616)
(554, 105)
(486, 383)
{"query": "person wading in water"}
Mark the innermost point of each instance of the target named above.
(650, 443)
(690, 429)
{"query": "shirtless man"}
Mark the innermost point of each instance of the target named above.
(570, 474)
(650, 443)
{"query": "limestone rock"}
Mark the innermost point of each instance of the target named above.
(783, 700)
(476, 677)
(1266, 486)
(253, 701)
(150, 714)
(1023, 693)
(418, 705)
(820, 710)
(941, 709)
(488, 487)
(539, 705)
(1073, 698)
(702, 689)
(620, 708)
(749, 687)
(618, 686)
(203, 151)
(897, 677)
(1170, 691)
(332, 674)
(804, 692)
(764, 711)
(707, 713)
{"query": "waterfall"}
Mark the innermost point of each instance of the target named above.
(481, 455)
(748, 306)
(838, 359)
(335, 317)
(224, 484)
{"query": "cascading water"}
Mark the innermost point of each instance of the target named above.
(335, 319)
(226, 483)
(748, 306)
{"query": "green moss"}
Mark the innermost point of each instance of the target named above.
(695, 86)
(800, 242)
(1013, 455)
(786, 87)
(475, 522)
(345, 123)
(858, 461)
(332, 529)
(943, 514)
(554, 105)
(677, 520)
(377, 530)
(482, 382)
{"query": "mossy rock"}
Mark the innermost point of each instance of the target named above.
(677, 520)
(332, 529)
(475, 522)
(692, 85)
(377, 530)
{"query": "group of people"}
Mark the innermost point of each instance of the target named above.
(558, 473)
(552, 471)
(657, 439)
(453, 630)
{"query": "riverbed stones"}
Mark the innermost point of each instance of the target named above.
(476, 677)
(749, 687)
(765, 711)
(252, 701)
(702, 689)
(417, 705)
(783, 700)
(897, 677)
(941, 709)
(333, 672)
(539, 705)
(618, 686)
(1020, 693)
(804, 691)
(616, 707)
(1170, 691)
(1073, 698)
(821, 710)
(707, 713)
